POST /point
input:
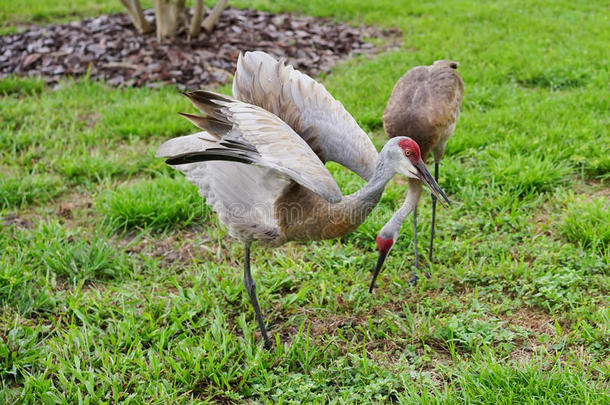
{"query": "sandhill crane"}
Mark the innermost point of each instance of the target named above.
(424, 105)
(266, 181)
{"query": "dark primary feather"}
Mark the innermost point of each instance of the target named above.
(217, 124)
(232, 144)
(210, 154)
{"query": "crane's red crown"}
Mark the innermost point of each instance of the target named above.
(410, 149)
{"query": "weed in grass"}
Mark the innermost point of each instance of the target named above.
(19, 351)
(156, 204)
(559, 287)
(559, 277)
(22, 287)
(595, 331)
(587, 222)
(469, 332)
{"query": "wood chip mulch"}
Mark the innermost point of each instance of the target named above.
(108, 47)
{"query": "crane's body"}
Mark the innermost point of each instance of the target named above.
(261, 167)
(424, 106)
(319, 219)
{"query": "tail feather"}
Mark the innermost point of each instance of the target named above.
(208, 102)
(216, 127)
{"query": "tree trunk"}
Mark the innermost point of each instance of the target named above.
(211, 20)
(169, 14)
(134, 9)
(197, 18)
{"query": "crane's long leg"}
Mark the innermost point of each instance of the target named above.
(414, 278)
(433, 212)
(415, 237)
(251, 288)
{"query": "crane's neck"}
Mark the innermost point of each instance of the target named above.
(391, 229)
(326, 220)
(369, 195)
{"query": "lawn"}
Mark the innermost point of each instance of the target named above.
(118, 284)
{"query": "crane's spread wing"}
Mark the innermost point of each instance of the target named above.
(309, 109)
(242, 195)
(244, 133)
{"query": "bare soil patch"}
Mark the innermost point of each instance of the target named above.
(18, 221)
(108, 47)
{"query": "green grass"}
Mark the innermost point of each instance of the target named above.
(156, 204)
(117, 284)
(50, 11)
(22, 189)
(77, 257)
(16, 85)
(586, 221)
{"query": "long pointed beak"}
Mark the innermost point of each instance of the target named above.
(380, 260)
(425, 176)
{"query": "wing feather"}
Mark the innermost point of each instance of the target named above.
(256, 137)
(308, 108)
(242, 195)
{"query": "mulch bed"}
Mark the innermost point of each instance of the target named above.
(108, 47)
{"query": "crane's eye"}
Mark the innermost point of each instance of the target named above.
(407, 153)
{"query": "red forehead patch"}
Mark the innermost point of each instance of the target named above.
(384, 245)
(410, 146)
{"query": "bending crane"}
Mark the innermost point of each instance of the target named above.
(424, 106)
(259, 162)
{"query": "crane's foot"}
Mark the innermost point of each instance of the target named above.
(415, 278)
